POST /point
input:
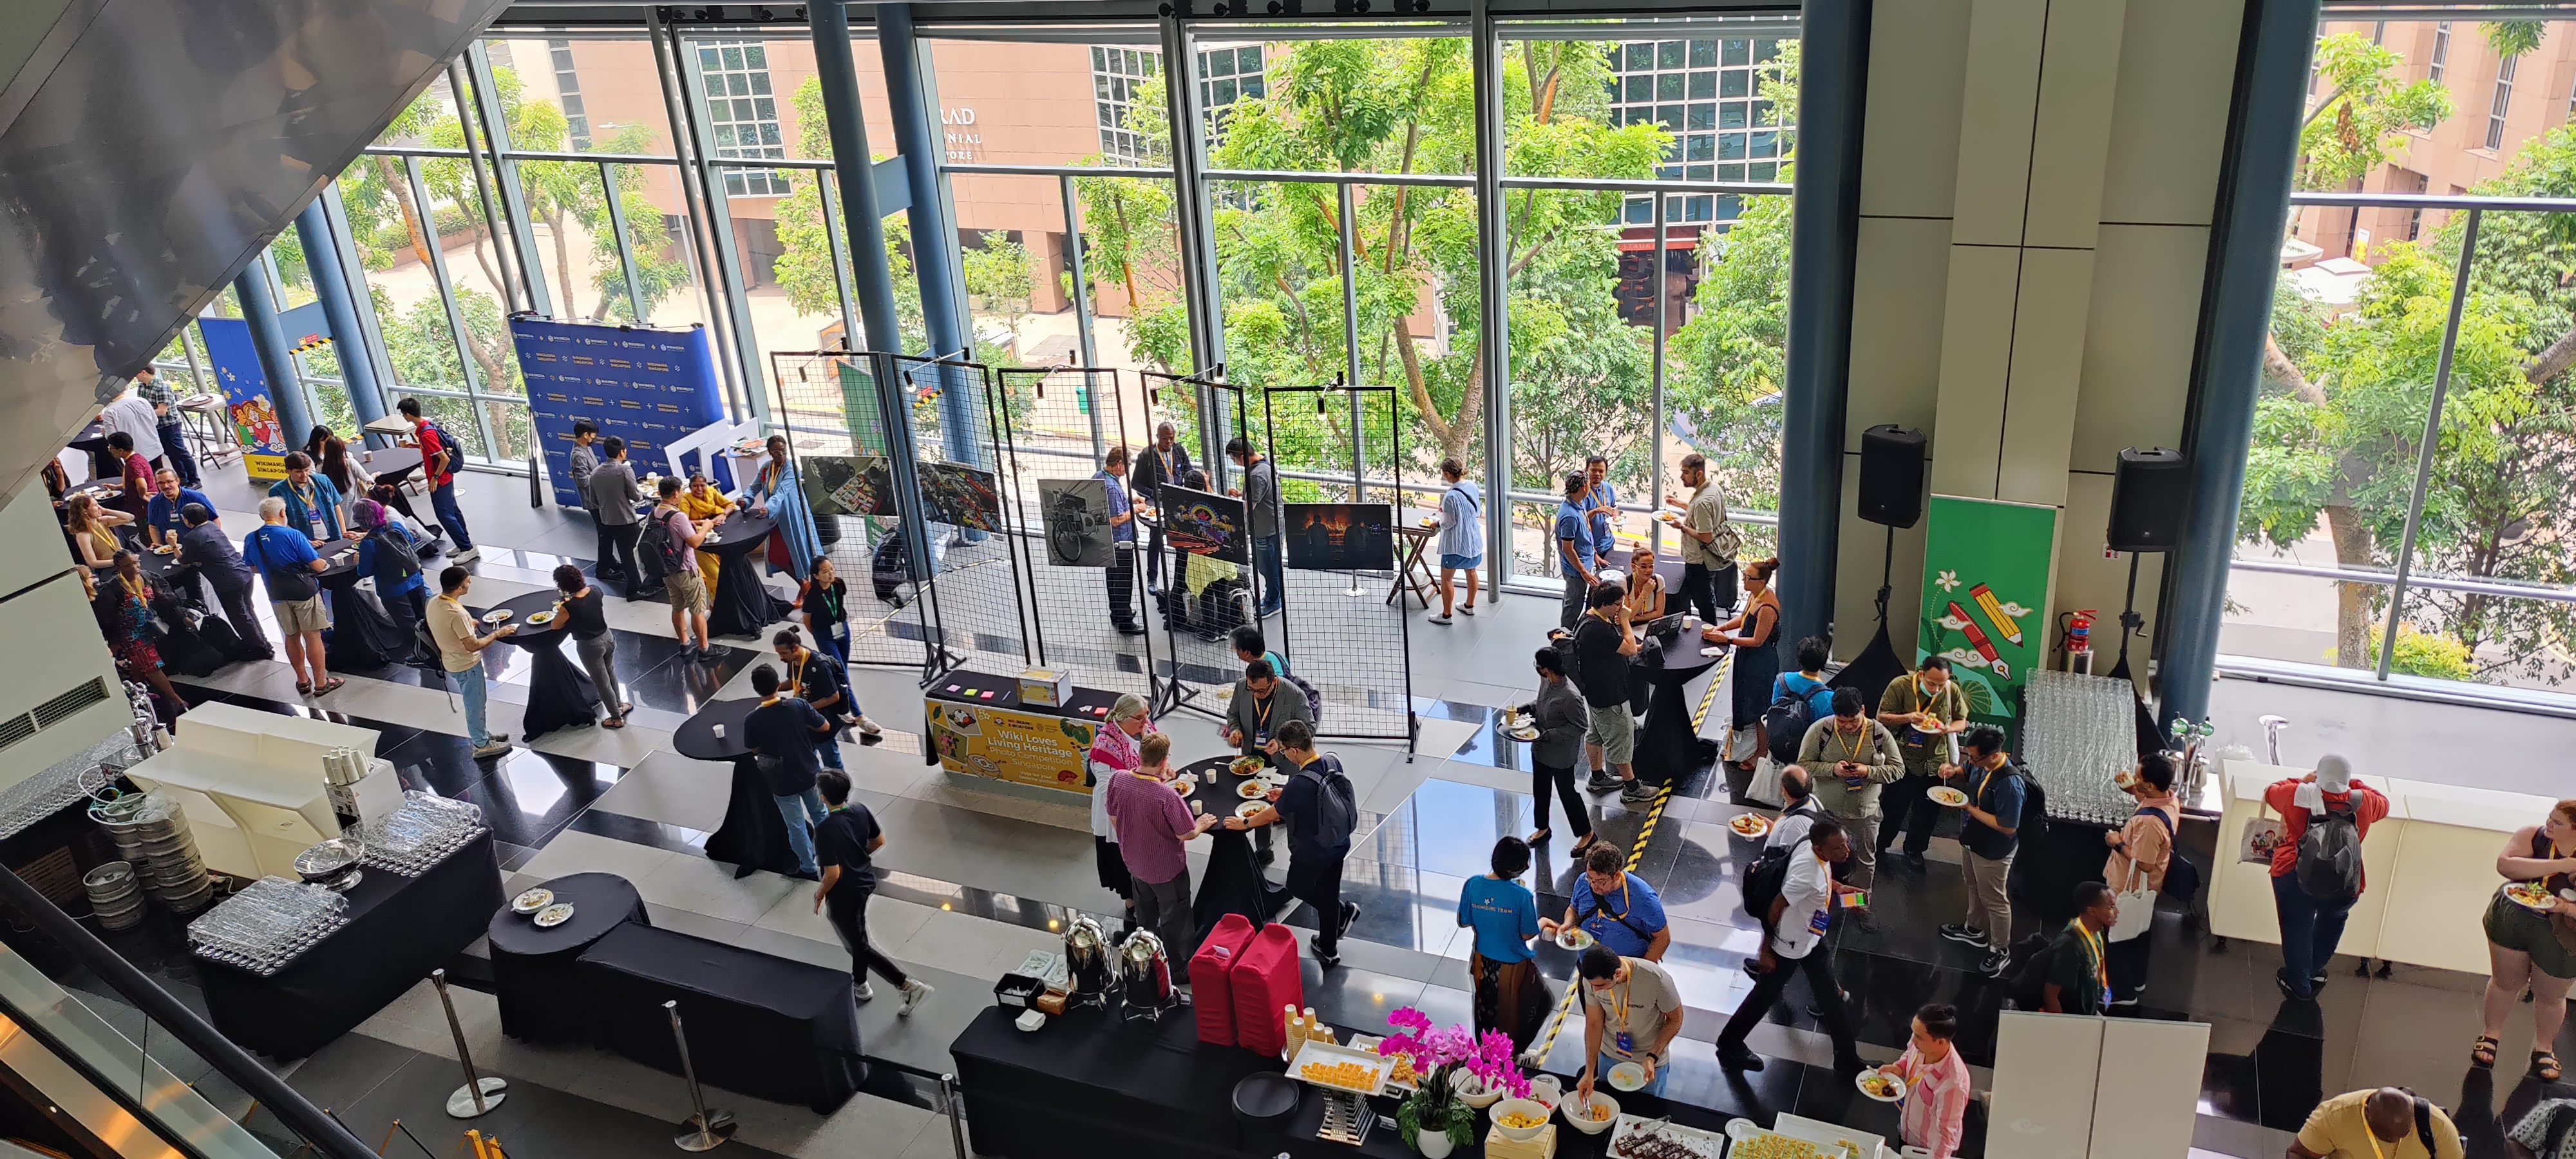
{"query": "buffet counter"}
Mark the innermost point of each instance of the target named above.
(2429, 865)
(979, 725)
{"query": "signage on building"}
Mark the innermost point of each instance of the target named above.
(965, 142)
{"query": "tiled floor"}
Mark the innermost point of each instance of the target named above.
(979, 873)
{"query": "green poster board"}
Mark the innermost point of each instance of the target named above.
(1985, 597)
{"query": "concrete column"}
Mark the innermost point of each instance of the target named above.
(340, 310)
(853, 166)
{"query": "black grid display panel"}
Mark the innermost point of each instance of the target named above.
(957, 441)
(825, 403)
(1343, 630)
(1058, 426)
(1199, 668)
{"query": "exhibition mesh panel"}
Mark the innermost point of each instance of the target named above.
(1342, 625)
(1084, 584)
(1201, 669)
(957, 449)
(825, 403)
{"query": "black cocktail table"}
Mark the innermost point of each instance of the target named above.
(754, 834)
(741, 606)
(560, 694)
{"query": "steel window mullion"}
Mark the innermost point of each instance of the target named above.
(726, 267)
(837, 245)
(1351, 339)
(625, 249)
(505, 173)
(465, 121)
(1493, 294)
(1082, 314)
(2432, 438)
(1655, 405)
(438, 275)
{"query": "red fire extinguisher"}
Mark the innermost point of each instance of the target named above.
(2078, 644)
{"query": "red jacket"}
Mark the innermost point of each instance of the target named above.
(2368, 805)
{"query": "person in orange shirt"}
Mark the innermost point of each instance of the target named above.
(2313, 900)
(705, 506)
(2141, 852)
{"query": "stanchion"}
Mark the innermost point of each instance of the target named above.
(704, 1130)
(956, 1126)
(479, 1095)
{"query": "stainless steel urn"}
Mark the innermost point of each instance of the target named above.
(1086, 963)
(1144, 976)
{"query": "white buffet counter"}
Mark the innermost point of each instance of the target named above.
(251, 784)
(2430, 866)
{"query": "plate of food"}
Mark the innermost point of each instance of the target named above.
(1250, 809)
(542, 618)
(1880, 1085)
(1627, 1076)
(1639, 1138)
(1246, 766)
(1185, 785)
(1749, 825)
(496, 615)
(554, 915)
(1945, 795)
(2531, 895)
(532, 901)
(1250, 790)
(1574, 938)
(1521, 732)
(165, 549)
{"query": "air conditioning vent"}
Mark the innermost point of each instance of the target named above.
(16, 728)
(65, 706)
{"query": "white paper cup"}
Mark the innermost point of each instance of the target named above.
(720, 732)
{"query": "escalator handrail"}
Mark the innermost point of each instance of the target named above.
(325, 1133)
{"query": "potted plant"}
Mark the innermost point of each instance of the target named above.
(1435, 1118)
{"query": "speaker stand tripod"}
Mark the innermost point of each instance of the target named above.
(2149, 738)
(1878, 663)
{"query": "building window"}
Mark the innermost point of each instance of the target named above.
(743, 113)
(568, 88)
(1115, 73)
(1708, 95)
(1227, 75)
(2441, 51)
(2503, 101)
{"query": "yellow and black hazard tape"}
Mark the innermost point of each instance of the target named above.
(1538, 1050)
(314, 343)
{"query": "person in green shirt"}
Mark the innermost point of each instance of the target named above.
(2079, 976)
(1923, 710)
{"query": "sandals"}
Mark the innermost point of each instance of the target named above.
(304, 688)
(329, 686)
(613, 722)
(2544, 1066)
(2482, 1053)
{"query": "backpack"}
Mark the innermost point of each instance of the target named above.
(2182, 878)
(2025, 973)
(1337, 806)
(889, 566)
(663, 552)
(1786, 721)
(2330, 853)
(1763, 882)
(397, 559)
(2034, 807)
(1314, 699)
(446, 454)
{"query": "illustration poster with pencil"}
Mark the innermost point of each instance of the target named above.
(1985, 591)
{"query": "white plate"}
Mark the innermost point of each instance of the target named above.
(1627, 1076)
(496, 615)
(542, 618)
(1711, 651)
(1250, 809)
(1886, 1098)
(1577, 940)
(1251, 789)
(1942, 794)
(532, 901)
(1521, 734)
(554, 915)
(1761, 828)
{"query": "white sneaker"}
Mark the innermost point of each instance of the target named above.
(869, 727)
(913, 992)
(863, 992)
(468, 555)
(494, 749)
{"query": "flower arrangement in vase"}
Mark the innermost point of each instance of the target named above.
(1436, 1117)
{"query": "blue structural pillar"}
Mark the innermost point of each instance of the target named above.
(331, 285)
(1833, 88)
(912, 103)
(276, 359)
(2235, 311)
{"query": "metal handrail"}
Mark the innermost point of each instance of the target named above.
(2468, 584)
(323, 1132)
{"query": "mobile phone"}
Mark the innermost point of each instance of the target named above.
(1856, 901)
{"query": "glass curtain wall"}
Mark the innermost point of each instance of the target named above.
(2409, 482)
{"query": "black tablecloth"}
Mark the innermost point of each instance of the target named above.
(754, 834)
(361, 636)
(968, 686)
(742, 606)
(400, 928)
(764, 1026)
(1234, 883)
(93, 439)
(535, 973)
(1089, 1083)
(1668, 748)
(560, 693)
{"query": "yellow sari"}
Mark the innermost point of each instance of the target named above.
(700, 507)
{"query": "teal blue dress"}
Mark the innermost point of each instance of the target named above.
(777, 489)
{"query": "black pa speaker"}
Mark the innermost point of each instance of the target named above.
(2147, 500)
(1891, 475)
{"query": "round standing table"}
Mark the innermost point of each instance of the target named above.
(742, 607)
(560, 694)
(1668, 747)
(1234, 882)
(361, 636)
(754, 834)
(533, 974)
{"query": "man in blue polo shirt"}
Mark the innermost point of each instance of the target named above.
(1616, 907)
(292, 571)
(1576, 552)
(161, 515)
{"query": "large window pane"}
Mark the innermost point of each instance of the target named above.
(1399, 104)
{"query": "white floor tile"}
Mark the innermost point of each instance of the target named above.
(673, 790)
(575, 852)
(709, 887)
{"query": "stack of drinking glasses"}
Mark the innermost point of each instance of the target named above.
(419, 833)
(45, 794)
(2080, 732)
(151, 831)
(268, 925)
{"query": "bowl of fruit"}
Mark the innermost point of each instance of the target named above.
(1520, 1120)
(1592, 1117)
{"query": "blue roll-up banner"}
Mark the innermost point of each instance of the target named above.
(246, 401)
(646, 385)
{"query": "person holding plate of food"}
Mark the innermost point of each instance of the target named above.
(1936, 1084)
(2531, 936)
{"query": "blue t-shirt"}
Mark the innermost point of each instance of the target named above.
(1570, 525)
(1601, 510)
(277, 548)
(164, 514)
(1503, 914)
(1303, 814)
(1642, 910)
(416, 581)
(1120, 532)
(2000, 795)
(1818, 695)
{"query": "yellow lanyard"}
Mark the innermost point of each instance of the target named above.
(136, 588)
(1852, 748)
(796, 674)
(2093, 945)
(1263, 706)
(1619, 995)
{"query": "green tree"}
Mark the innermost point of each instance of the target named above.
(2365, 111)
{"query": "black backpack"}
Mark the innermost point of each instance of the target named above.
(1314, 699)
(2182, 878)
(1764, 880)
(1335, 801)
(663, 552)
(2034, 807)
(2330, 853)
(395, 553)
(1786, 721)
(2025, 974)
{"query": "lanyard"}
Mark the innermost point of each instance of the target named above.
(1852, 749)
(137, 588)
(1263, 706)
(1619, 995)
(832, 603)
(2093, 945)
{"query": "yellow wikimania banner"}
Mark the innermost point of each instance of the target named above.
(1030, 748)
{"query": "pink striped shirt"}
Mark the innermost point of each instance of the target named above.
(1936, 1101)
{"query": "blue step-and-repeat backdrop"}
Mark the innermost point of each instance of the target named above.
(648, 386)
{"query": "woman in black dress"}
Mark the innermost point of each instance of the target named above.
(1757, 653)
